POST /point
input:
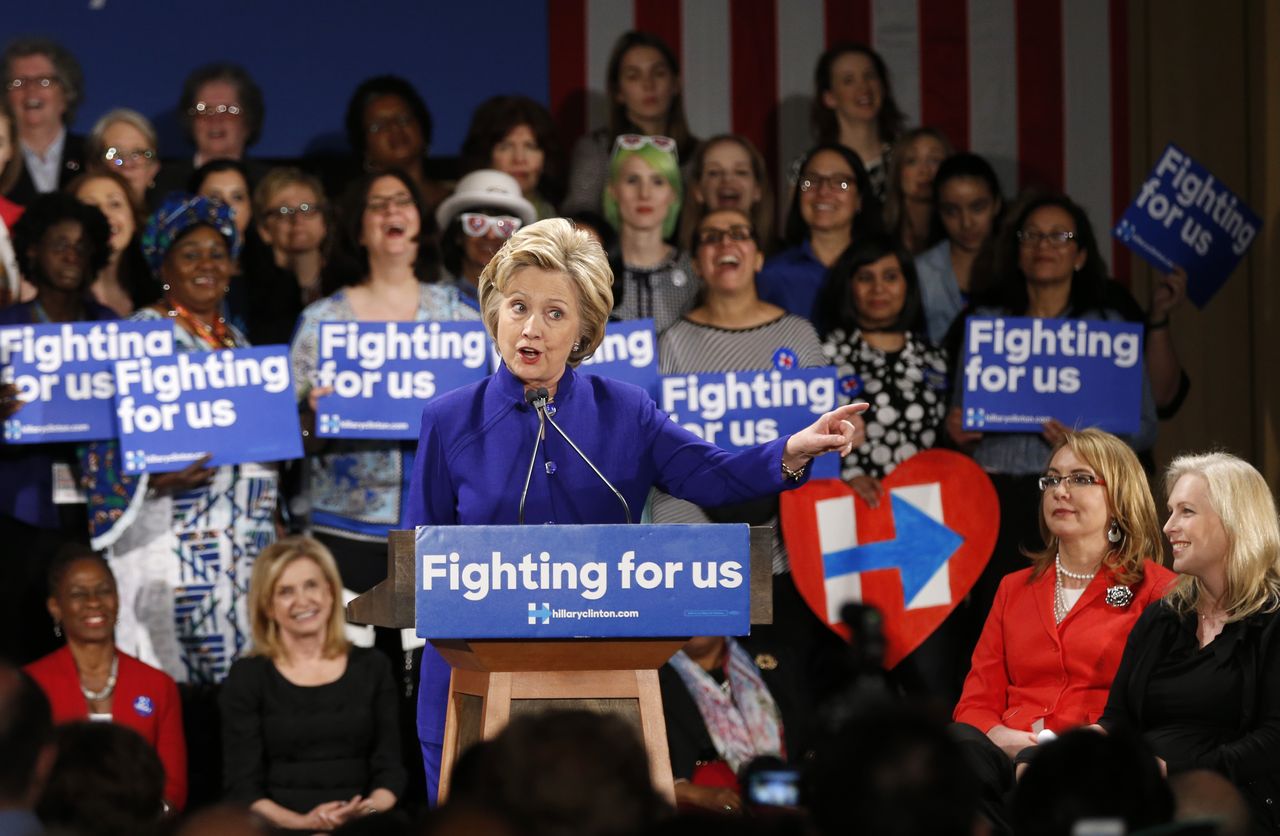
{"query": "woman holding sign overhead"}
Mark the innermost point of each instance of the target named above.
(178, 542)
(545, 298)
(1047, 266)
(61, 244)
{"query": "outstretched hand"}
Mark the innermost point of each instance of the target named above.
(839, 430)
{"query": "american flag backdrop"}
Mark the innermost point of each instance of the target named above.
(1039, 87)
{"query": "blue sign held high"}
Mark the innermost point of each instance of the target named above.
(1185, 217)
(64, 374)
(381, 372)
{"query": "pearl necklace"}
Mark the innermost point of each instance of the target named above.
(1060, 608)
(109, 688)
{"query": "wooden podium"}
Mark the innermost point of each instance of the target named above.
(494, 680)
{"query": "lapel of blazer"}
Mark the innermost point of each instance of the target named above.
(1042, 592)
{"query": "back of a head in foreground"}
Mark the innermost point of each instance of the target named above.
(1087, 775)
(26, 726)
(105, 781)
(891, 771)
(564, 772)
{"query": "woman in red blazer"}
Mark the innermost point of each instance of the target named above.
(1056, 630)
(89, 679)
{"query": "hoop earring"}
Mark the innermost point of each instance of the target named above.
(57, 629)
(1114, 534)
(165, 286)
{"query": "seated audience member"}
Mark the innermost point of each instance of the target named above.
(124, 283)
(1200, 676)
(727, 172)
(726, 705)
(560, 772)
(484, 211)
(645, 93)
(90, 679)
(910, 197)
(105, 781)
(1083, 776)
(833, 206)
(61, 245)
(892, 771)
(853, 105)
(291, 216)
(516, 135)
(967, 208)
(1055, 633)
(10, 169)
(1202, 796)
(44, 85)
(1047, 265)
(26, 732)
(309, 723)
(642, 202)
(222, 111)
(125, 141)
(389, 129)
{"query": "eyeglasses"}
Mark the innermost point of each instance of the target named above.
(813, 182)
(634, 142)
(380, 205)
(1030, 238)
(205, 109)
(712, 235)
(18, 82)
(302, 210)
(400, 120)
(1073, 480)
(477, 225)
(120, 157)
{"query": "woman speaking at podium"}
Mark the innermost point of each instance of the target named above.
(544, 299)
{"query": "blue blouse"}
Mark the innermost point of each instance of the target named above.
(474, 450)
(791, 280)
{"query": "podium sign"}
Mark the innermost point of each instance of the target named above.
(539, 582)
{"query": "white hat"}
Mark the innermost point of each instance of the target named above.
(486, 187)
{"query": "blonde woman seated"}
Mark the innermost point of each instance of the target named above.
(309, 724)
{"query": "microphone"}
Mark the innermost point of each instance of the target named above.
(539, 401)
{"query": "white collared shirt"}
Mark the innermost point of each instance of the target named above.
(45, 169)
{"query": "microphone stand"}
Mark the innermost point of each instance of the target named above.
(539, 401)
(532, 398)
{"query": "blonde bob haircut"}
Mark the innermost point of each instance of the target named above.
(555, 245)
(1129, 501)
(267, 568)
(1240, 497)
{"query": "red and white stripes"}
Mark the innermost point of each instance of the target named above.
(1040, 87)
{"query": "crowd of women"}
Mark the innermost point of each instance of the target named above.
(230, 581)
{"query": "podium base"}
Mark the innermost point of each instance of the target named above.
(494, 681)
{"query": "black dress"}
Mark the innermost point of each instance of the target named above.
(304, 745)
(1216, 707)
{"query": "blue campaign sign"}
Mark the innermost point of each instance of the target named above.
(1019, 372)
(629, 353)
(64, 373)
(1184, 217)
(737, 410)
(552, 581)
(381, 372)
(237, 404)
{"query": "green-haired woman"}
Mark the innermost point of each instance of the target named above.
(642, 201)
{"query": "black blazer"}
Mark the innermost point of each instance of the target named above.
(24, 190)
(1250, 760)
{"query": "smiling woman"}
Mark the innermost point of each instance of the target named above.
(293, 749)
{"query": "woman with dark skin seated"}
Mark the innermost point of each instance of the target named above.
(91, 679)
(61, 244)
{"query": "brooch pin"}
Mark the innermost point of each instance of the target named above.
(766, 661)
(1119, 596)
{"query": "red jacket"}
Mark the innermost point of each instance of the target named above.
(1026, 667)
(145, 700)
